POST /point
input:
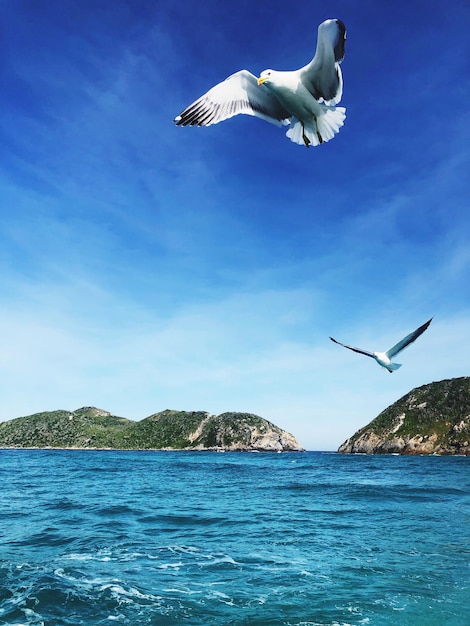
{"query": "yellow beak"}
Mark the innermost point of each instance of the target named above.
(262, 79)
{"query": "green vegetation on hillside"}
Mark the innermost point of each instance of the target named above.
(433, 408)
(439, 411)
(167, 429)
(89, 427)
(228, 428)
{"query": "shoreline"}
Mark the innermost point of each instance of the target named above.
(214, 449)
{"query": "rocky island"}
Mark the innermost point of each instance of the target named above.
(91, 428)
(432, 419)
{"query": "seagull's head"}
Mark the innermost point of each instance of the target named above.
(265, 77)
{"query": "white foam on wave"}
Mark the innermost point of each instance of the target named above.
(18, 598)
(102, 556)
(222, 597)
(32, 617)
(130, 593)
(212, 559)
(41, 623)
(106, 555)
(176, 566)
(332, 623)
(82, 581)
(186, 592)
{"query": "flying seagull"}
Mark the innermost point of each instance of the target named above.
(384, 358)
(305, 99)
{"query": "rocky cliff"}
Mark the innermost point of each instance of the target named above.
(432, 419)
(90, 427)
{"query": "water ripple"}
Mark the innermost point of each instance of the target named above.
(234, 539)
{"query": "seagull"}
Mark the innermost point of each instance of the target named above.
(304, 99)
(385, 358)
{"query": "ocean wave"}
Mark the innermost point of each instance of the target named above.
(328, 540)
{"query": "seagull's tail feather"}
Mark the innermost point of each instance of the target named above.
(325, 128)
(330, 122)
(393, 366)
(304, 135)
(296, 133)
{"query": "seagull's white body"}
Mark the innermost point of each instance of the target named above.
(385, 358)
(305, 99)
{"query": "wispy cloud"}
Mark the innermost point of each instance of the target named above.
(146, 266)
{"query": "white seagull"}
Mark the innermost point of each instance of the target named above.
(385, 358)
(305, 99)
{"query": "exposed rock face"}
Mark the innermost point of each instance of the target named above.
(243, 431)
(432, 419)
(90, 427)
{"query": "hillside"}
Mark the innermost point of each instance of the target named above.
(85, 427)
(432, 419)
(90, 427)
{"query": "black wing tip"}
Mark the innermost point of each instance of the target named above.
(190, 118)
(426, 324)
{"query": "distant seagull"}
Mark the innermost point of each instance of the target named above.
(384, 358)
(303, 98)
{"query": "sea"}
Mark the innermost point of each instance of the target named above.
(205, 538)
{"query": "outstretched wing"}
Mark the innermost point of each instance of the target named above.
(239, 93)
(401, 345)
(322, 76)
(352, 348)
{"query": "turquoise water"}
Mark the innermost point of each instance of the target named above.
(171, 538)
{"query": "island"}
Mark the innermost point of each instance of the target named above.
(432, 419)
(93, 428)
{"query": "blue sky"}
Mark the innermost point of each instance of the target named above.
(146, 266)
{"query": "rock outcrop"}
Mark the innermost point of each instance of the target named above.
(89, 428)
(243, 431)
(432, 419)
